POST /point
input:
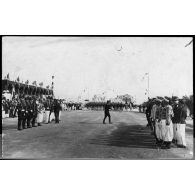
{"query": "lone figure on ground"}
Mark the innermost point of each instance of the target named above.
(107, 108)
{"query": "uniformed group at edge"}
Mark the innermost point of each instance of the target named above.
(167, 119)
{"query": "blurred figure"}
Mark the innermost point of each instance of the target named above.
(47, 111)
(107, 109)
(166, 123)
(57, 108)
(34, 108)
(40, 109)
(175, 118)
(181, 141)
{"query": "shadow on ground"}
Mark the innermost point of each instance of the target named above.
(133, 136)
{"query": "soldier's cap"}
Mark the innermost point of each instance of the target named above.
(182, 101)
(153, 100)
(158, 100)
(166, 100)
(175, 98)
(161, 98)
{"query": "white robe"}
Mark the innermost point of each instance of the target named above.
(52, 117)
(181, 135)
(175, 129)
(167, 131)
(3, 114)
(60, 114)
(158, 130)
(40, 117)
(46, 116)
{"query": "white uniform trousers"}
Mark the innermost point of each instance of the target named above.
(181, 135)
(175, 129)
(46, 116)
(166, 131)
(163, 129)
(52, 117)
(158, 130)
(40, 117)
(60, 114)
(169, 133)
(3, 114)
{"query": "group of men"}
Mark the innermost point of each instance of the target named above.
(9, 108)
(33, 111)
(167, 119)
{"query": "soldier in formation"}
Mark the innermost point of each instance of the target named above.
(168, 121)
(107, 109)
(33, 111)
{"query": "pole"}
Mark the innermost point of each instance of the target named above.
(52, 85)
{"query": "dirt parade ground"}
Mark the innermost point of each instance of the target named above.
(81, 135)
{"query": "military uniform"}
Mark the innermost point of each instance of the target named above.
(24, 105)
(57, 109)
(47, 111)
(34, 117)
(176, 121)
(166, 123)
(153, 117)
(158, 123)
(29, 114)
(107, 113)
(21, 115)
(40, 109)
(51, 113)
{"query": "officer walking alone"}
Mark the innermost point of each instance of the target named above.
(107, 108)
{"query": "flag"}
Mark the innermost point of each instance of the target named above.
(18, 79)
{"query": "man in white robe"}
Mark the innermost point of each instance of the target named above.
(166, 124)
(155, 115)
(181, 141)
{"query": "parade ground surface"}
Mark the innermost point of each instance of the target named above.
(81, 135)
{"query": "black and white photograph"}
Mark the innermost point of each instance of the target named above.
(97, 97)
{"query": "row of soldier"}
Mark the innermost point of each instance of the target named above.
(167, 119)
(9, 107)
(33, 111)
(116, 106)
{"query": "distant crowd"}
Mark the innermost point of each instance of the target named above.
(115, 106)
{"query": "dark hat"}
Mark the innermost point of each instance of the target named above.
(182, 101)
(166, 100)
(175, 98)
(158, 100)
(161, 98)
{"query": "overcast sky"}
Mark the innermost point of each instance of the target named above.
(115, 65)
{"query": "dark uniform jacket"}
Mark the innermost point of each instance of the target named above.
(176, 112)
(183, 115)
(107, 108)
(57, 107)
